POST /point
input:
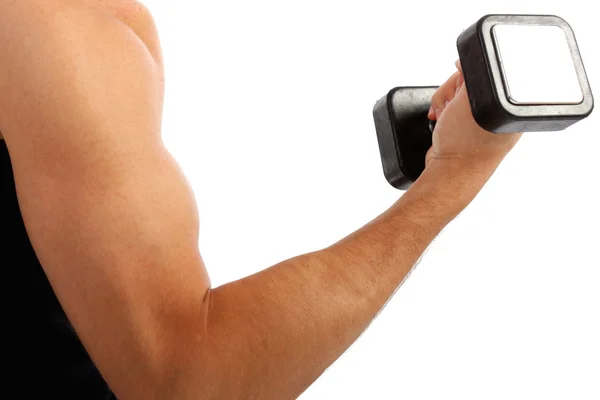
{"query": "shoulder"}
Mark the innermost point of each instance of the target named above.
(139, 19)
(65, 65)
(32, 22)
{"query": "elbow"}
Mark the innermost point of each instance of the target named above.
(203, 355)
(176, 361)
(210, 360)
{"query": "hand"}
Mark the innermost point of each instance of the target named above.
(459, 143)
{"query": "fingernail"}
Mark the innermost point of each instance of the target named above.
(438, 112)
(446, 103)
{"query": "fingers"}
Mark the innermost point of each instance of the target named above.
(445, 94)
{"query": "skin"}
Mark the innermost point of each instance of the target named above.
(115, 224)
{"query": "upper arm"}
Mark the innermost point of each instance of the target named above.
(106, 207)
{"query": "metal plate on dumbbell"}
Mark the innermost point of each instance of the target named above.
(524, 73)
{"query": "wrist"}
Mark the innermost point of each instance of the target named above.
(456, 181)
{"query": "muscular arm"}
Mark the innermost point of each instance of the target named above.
(115, 227)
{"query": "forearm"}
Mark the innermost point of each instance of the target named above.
(272, 334)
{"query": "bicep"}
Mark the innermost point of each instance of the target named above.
(107, 209)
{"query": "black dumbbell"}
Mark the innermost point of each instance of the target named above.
(523, 73)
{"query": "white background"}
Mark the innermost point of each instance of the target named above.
(268, 111)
